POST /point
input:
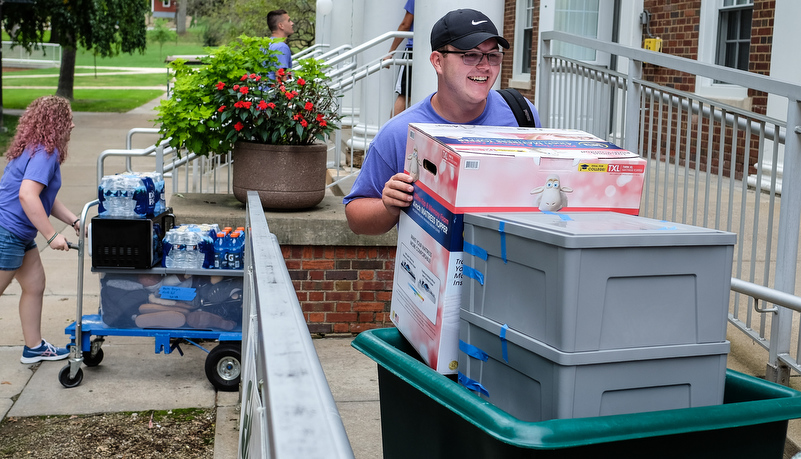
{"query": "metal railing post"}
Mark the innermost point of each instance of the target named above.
(787, 248)
(631, 141)
(543, 100)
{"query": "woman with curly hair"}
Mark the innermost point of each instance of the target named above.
(28, 190)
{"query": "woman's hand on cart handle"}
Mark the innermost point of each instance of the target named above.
(72, 246)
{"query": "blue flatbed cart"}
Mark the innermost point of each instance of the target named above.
(88, 332)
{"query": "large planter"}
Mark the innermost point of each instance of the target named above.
(285, 176)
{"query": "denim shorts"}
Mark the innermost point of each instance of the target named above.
(12, 250)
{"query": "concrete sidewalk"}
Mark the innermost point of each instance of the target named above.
(132, 377)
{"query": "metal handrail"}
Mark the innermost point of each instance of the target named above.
(288, 410)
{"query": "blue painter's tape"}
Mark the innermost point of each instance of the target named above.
(504, 350)
(475, 251)
(563, 217)
(502, 230)
(177, 293)
(472, 384)
(473, 273)
(473, 351)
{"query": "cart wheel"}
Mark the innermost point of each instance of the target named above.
(92, 361)
(64, 377)
(223, 366)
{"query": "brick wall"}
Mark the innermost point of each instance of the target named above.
(761, 47)
(342, 289)
(509, 22)
(677, 24)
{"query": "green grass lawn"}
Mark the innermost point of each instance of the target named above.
(152, 79)
(189, 43)
(7, 133)
(102, 100)
(86, 100)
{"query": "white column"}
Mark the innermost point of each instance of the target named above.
(377, 90)
(426, 13)
(784, 65)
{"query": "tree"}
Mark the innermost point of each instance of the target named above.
(180, 18)
(104, 27)
(162, 34)
(232, 18)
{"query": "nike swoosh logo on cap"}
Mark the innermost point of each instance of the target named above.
(479, 22)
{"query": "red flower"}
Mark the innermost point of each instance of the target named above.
(304, 123)
(220, 85)
(281, 72)
(289, 95)
(319, 117)
(238, 126)
(236, 86)
(244, 77)
(271, 105)
(296, 116)
(258, 77)
(221, 109)
(238, 104)
(308, 106)
(262, 105)
(253, 75)
(243, 89)
(246, 104)
(323, 123)
(301, 81)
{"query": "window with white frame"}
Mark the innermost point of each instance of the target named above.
(524, 36)
(577, 17)
(724, 38)
(165, 3)
(734, 33)
(528, 29)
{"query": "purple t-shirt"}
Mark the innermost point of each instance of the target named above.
(387, 150)
(409, 8)
(39, 167)
(284, 56)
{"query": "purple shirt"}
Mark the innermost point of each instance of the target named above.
(39, 167)
(385, 154)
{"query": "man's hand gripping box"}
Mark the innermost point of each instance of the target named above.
(460, 169)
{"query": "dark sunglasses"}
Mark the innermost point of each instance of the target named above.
(474, 57)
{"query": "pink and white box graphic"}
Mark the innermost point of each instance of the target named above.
(461, 169)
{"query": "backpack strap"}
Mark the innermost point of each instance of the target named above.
(519, 106)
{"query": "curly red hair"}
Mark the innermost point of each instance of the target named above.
(47, 121)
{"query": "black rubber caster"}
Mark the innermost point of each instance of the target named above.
(224, 366)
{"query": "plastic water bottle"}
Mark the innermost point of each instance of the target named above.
(170, 248)
(234, 252)
(220, 261)
(158, 198)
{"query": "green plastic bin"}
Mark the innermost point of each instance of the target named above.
(427, 415)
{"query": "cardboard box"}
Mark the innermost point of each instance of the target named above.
(461, 169)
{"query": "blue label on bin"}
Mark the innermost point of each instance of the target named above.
(177, 293)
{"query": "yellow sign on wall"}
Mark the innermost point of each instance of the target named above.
(653, 44)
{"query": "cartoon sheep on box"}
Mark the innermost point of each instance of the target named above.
(553, 196)
(414, 165)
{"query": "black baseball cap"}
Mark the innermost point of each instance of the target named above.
(464, 29)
